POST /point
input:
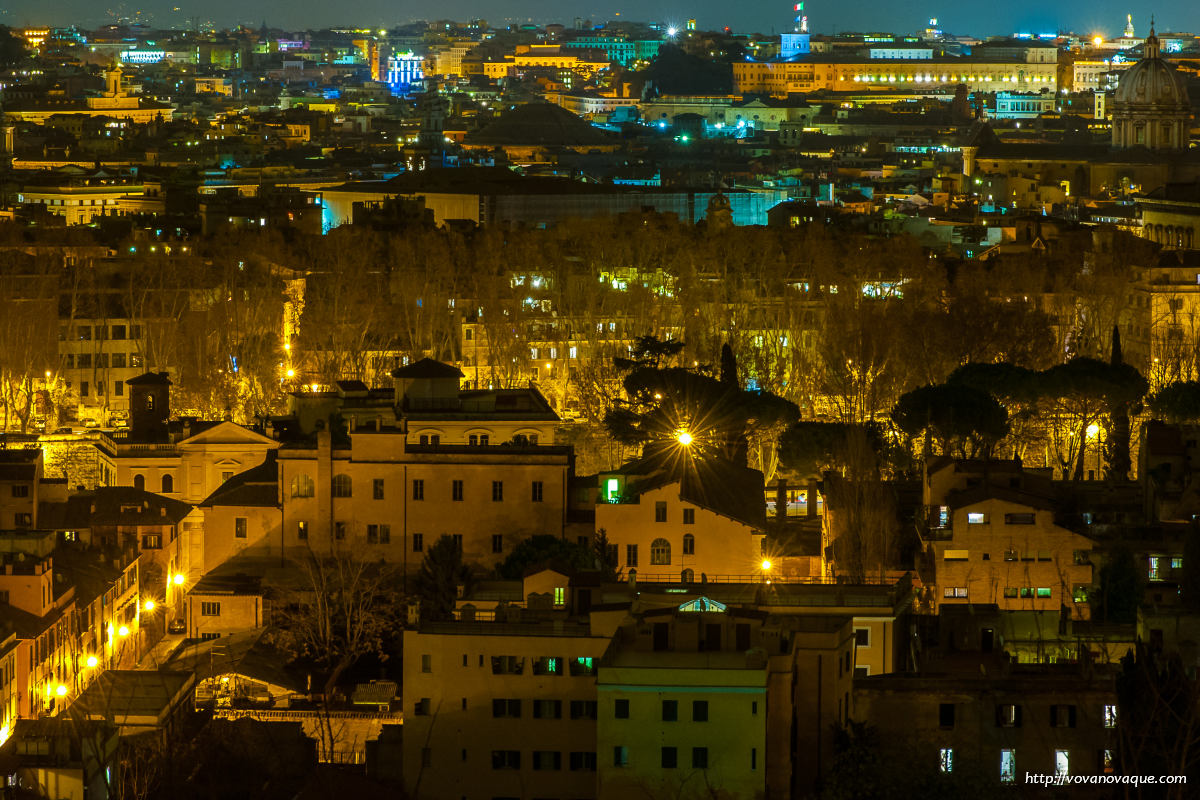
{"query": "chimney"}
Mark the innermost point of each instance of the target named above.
(353, 422)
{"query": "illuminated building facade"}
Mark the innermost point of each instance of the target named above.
(404, 70)
(848, 74)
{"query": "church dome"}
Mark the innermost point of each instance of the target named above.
(1150, 106)
(1152, 82)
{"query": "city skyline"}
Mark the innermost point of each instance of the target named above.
(1105, 18)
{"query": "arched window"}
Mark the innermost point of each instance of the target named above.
(660, 552)
(689, 545)
(687, 576)
(149, 402)
(168, 484)
(139, 482)
(302, 486)
(342, 486)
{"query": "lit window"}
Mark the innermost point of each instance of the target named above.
(947, 759)
(1008, 766)
(560, 596)
(1062, 762)
(1110, 716)
(976, 518)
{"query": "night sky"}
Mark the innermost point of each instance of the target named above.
(979, 18)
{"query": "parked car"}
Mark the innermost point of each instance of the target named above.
(176, 626)
(119, 419)
(91, 423)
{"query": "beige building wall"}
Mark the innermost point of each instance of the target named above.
(451, 728)
(721, 546)
(996, 555)
(418, 505)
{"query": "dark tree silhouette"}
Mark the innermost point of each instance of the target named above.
(438, 580)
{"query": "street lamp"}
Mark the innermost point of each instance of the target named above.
(149, 606)
(123, 630)
(178, 579)
(92, 661)
(683, 437)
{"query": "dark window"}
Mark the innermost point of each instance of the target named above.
(152, 541)
(456, 490)
(239, 527)
(862, 637)
(385, 534)
(20, 490)
(699, 711)
(699, 758)
(302, 531)
(342, 486)
(689, 545)
(372, 534)
(660, 511)
(536, 492)
(508, 709)
(946, 715)
(377, 488)
(339, 530)
(168, 484)
(210, 609)
(621, 709)
(583, 709)
(421, 707)
(670, 710)
(506, 759)
(497, 543)
(497, 491)
(547, 760)
(669, 758)
(1019, 519)
(583, 761)
(1008, 715)
(1062, 716)
(547, 709)
(631, 555)
(689, 516)
(139, 482)
(418, 489)
(418, 540)
(620, 756)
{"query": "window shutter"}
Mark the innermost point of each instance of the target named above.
(1017, 716)
(1071, 716)
(1053, 716)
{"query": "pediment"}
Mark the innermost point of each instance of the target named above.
(228, 433)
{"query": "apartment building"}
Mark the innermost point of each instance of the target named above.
(675, 517)
(505, 708)
(992, 538)
(997, 724)
(705, 695)
(98, 356)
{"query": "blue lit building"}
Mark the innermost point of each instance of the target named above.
(403, 70)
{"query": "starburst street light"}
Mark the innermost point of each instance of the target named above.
(683, 437)
(766, 565)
